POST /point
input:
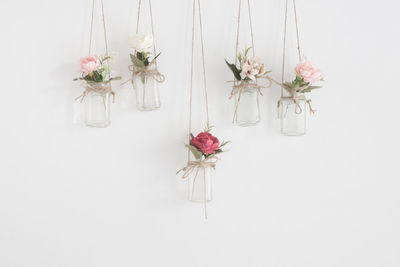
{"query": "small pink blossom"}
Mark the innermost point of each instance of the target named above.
(89, 64)
(251, 68)
(306, 71)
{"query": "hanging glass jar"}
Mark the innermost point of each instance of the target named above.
(292, 113)
(200, 189)
(98, 103)
(247, 107)
(147, 91)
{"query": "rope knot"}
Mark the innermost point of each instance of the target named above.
(153, 72)
(192, 165)
(100, 88)
(238, 90)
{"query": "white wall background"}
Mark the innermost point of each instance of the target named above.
(76, 196)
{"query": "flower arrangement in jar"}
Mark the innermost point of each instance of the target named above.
(246, 89)
(96, 76)
(204, 147)
(291, 109)
(145, 76)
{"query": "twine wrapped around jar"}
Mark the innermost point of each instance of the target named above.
(295, 97)
(238, 89)
(97, 88)
(192, 165)
(160, 78)
(211, 162)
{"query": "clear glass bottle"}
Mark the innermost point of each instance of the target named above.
(147, 92)
(293, 116)
(200, 188)
(97, 112)
(248, 111)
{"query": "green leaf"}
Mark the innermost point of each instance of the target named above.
(235, 71)
(225, 143)
(290, 85)
(310, 88)
(247, 50)
(156, 56)
(136, 61)
(196, 153)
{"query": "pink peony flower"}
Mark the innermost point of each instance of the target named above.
(306, 71)
(89, 64)
(206, 142)
(251, 68)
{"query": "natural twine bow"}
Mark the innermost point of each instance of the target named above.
(192, 165)
(101, 89)
(160, 78)
(211, 162)
(238, 89)
(295, 97)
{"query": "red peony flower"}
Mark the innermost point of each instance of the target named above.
(206, 143)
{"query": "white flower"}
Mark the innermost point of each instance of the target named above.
(251, 68)
(141, 43)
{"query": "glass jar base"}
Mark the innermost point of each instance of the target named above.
(199, 201)
(98, 125)
(149, 108)
(247, 124)
(293, 133)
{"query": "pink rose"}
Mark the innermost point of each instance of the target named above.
(206, 142)
(306, 71)
(251, 68)
(89, 64)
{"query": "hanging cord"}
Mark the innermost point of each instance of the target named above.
(284, 39)
(152, 26)
(293, 93)
(284, 47)
(91, 29)
(91, 87)
(297, 29)
(204, 164)
(235, 83)
(160, 78)
(204, 64)
(104, 29)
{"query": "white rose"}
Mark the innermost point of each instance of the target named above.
(141, 43)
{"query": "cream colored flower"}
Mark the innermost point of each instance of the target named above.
(251, 68)
(141, 43)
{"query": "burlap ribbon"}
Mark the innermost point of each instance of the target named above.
(97, 88)
(238, 89)
(160, 78)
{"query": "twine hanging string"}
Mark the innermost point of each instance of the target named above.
(293, 93)
(93, 86)
(209, 162)
(239, 87)
(147, 70)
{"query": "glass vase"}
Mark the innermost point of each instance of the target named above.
(247, 109)
(97, 111)
(200, 189)
(147, 92)
(293, 116)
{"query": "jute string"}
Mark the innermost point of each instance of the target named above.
(238, 87)
(191, 165)
(160, 78)
(97, 88)
(293, 94)
(93, 87)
